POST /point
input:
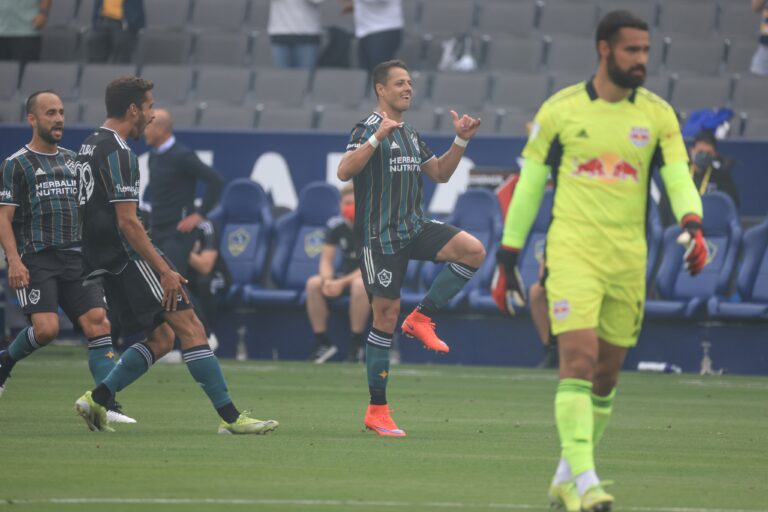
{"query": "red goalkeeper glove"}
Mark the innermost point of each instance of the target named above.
(692, 238)
(507, 288)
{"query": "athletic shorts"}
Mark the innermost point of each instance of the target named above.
(383, 274)
(136, 297)
(582, 295)
(55, 279)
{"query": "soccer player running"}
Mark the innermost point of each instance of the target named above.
(40, 233)
(386, 157)
(141, 286)
(600, 139)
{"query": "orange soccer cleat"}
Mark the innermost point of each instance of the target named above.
(377, 418)
(421, 327)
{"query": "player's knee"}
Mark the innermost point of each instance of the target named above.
(604, 381)
(474, 253)
(578, 368)
(314, 285)
(95, 323)
(46, 331)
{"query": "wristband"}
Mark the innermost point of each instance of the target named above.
(373, 141)
(460, 142)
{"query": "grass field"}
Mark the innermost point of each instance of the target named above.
(478, 439)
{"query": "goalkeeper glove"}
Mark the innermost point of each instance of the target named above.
(507, 288)
(692, 238)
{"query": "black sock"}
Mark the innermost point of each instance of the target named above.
(356, 340)
(427, 307)
(321, 339)
(228, 412)
(378, 396)
(101, 395)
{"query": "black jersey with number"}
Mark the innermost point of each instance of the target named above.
(338, 233)
(108, 173)
(388, 191)
(43, 187)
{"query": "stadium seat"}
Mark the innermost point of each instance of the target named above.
(572, 18)
(644, 9)
(10, 111)
(261, 51)
(61, 13)
(258, 15)
(424, 120)
(751, 283)
(412, 50)
(750, 94)
(184, 116)
(519, 91)
(572, 55)
(530, 258)
(658, 84)
(60, 44)
(246, 227)
(163, 47)
(280, 86)
(95, 78)
(327, 83)
(298, 241)
(693, 18)
(740, 54)
(223, 84)
(695, 56)
(172, 83)
(330, 16)
(221, 49)
(737, 23)
(227, 117)
(504, 18)
(219, 15)
(445, 121)
(84, 18)
(284, 118)
(92, 114)
(166, 14)
(515, 123)
(451, 89)
(756, 127)
(37, 76)
(683, 296)
(335, 119)
(446, 17)
(520, 55)
(700, 92)
(9, 78)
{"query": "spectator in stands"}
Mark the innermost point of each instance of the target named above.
(711, 170)
(115, 30)
(174, 171)
(328, 284)
(208, 276)
(379, 29)
(760, 59)
(20, 24)
(294, 30)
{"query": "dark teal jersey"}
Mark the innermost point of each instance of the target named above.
(108, 173)
(43, 188)
(388, 191)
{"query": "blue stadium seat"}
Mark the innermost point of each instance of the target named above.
(298, 242)
(683, 295)
(752, 281)
(530, 259)
(246, 227)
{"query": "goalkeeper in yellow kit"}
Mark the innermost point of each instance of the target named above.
(600, 139)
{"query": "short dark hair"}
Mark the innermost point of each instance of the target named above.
(381, 72)
(613, 21)
(707, 137)
(124, 91)
(32, 100)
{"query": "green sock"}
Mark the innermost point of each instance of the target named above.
(101, 357)
(24, 344)
(447, 284)
(602, 407)
(377, 364)
(205, 369)
(573, 413)
(134, 363)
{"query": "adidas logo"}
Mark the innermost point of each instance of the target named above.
(394, 146)
(40, 172)
(582, 134)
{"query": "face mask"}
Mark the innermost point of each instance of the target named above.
(702, 160)
(348, 212)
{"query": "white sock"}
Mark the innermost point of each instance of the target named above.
(586, 480)
(562, 473)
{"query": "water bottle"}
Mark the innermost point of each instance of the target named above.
(658, 367)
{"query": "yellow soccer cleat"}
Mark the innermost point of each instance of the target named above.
(247, 425)
(95, 415)
(596, 500)
(564, 496)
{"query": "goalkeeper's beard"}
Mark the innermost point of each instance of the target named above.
(625, 79)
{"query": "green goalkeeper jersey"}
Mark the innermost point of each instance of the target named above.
(601, 155)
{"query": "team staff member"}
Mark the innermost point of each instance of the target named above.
(39, 202)
(174, 171)
(600, 138)
(391, 228)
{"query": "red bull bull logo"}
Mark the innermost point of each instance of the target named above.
(607, 167)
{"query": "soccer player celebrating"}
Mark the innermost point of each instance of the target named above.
(386, 157)
(141, 286)
(600, 139)
(40, 233)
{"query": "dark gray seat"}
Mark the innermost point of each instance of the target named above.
(227, 117)
(509, 54)
(519, 91)
(172, 83)
(163, 47)
(280, 86)
(693, 18)
(345, 87)
(221, 15)
(62, 13)
(166, 14)
(59, 76)
(695, 55)
(10, 111)
(446, 17)
(571, 55)
(273, 118)
(504, 18)
(697, 92)
(750, 94)
(221, 48)
(220, 84)
(95, 77)
(9, 78)
(515, 123)
(451, 89)
(60, 44)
